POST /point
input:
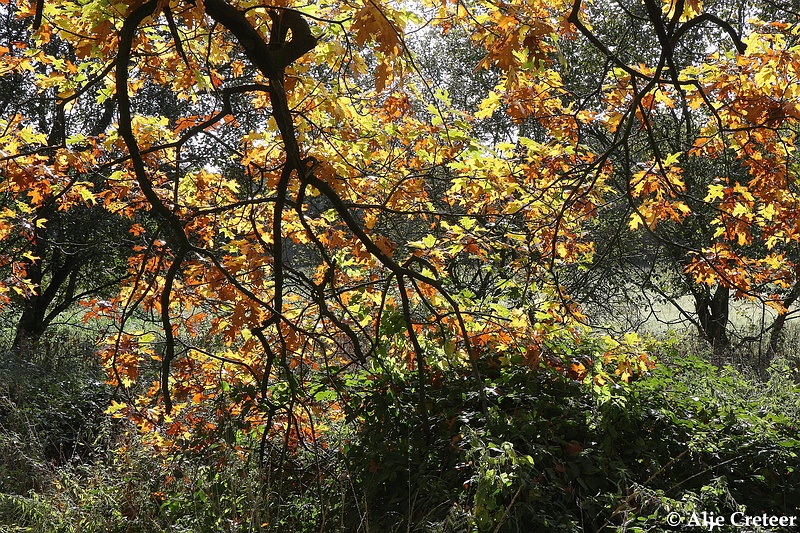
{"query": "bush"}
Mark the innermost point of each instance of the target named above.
(549, 454)
(561, 455)
(53, 398)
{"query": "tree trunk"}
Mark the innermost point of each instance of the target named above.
(36, 310)
(780, 321)
(712, 313)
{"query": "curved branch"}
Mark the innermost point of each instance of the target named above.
(740, 46)
(181, 242)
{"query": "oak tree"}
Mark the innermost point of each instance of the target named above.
(306, 205)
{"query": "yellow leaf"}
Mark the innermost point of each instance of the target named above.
(744, 192)
(672, 159)
(743, 238)
(715, 191)
(740, 210)
(613, 120)
(768, 212)
(635, 222)
(488, 106)
(772, 240)
(449, 348)
(665, 99)
(774, 260)
(632, 338)
(115, 407)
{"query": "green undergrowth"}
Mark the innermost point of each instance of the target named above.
(558, 455)
(547, 454)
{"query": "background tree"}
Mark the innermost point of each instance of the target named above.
(60, 245)
(655, 130)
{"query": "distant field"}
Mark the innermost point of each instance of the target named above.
(748, 322)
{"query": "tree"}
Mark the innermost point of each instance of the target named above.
(307, 206)
(59, 244)
(664, 105)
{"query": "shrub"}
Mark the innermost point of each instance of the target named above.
(562, 455)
